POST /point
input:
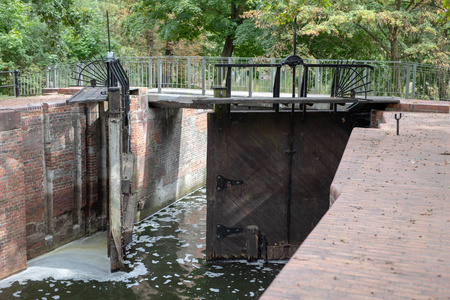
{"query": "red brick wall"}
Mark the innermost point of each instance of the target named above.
(38, 171)
(33, 168)
(170, 149)
(12, 203)
(48, 159)
(61, 156)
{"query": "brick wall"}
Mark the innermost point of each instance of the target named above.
(53, 134)
(12, 198)
(49, 171)
(170, 149)
(34, 176)
(38, 171)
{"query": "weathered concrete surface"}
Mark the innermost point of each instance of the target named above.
(9, 120)
(387, 236)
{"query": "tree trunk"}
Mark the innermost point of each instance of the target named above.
(150, 42)
(236, 14)
(169, 49)
(228, 47)
(394, 57)
(167, 69)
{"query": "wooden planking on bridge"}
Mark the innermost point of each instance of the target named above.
(89, 95)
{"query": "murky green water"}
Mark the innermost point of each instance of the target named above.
(167, 257)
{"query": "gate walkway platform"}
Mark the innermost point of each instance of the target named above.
(387, 235)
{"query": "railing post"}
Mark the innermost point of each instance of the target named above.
(189, 73)
(55, 81)
(159, 75)
(413, 86)
(47, 77)
(408, 80)
(203, 76)
(250, 80)
(150, 78)
(316, 84)
(300, 71)
(16, 83)
(272, 61)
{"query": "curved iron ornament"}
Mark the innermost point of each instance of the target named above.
(350, 81)
(92, 73)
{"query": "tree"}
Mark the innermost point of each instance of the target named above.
(445, 15)
(13, 23)
(42, 32)
(397, 30)
(176, 20)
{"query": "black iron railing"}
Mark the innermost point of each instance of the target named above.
(9, 80)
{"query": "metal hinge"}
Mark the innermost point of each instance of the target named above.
(223, 183)
(223, 231)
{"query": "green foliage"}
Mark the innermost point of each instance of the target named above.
(176, 20)
(89, 37)
(385, 29)
(249, 41)
(42, 32)
(35, 33)
(13, 23)
(445, 15)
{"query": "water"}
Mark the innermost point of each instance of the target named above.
(167, 258)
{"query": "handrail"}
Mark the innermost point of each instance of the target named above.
(15, 83)
(402, 79)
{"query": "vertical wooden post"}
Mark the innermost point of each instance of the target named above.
(252, 239)
(103, 168)
(78, 168)
(48, 175)
(115, 192)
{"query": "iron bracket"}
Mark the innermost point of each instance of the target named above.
(223, 183)
(223, 115)
(223, 231)
(398, 122)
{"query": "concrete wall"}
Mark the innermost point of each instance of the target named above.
(49, 171)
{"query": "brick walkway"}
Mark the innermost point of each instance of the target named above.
(387, 236)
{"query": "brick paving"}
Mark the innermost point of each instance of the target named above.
(13, 103)
(387, 236)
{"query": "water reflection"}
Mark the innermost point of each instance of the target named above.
(167, 256)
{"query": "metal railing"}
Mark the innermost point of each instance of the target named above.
(400, 79)
(9, 83)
